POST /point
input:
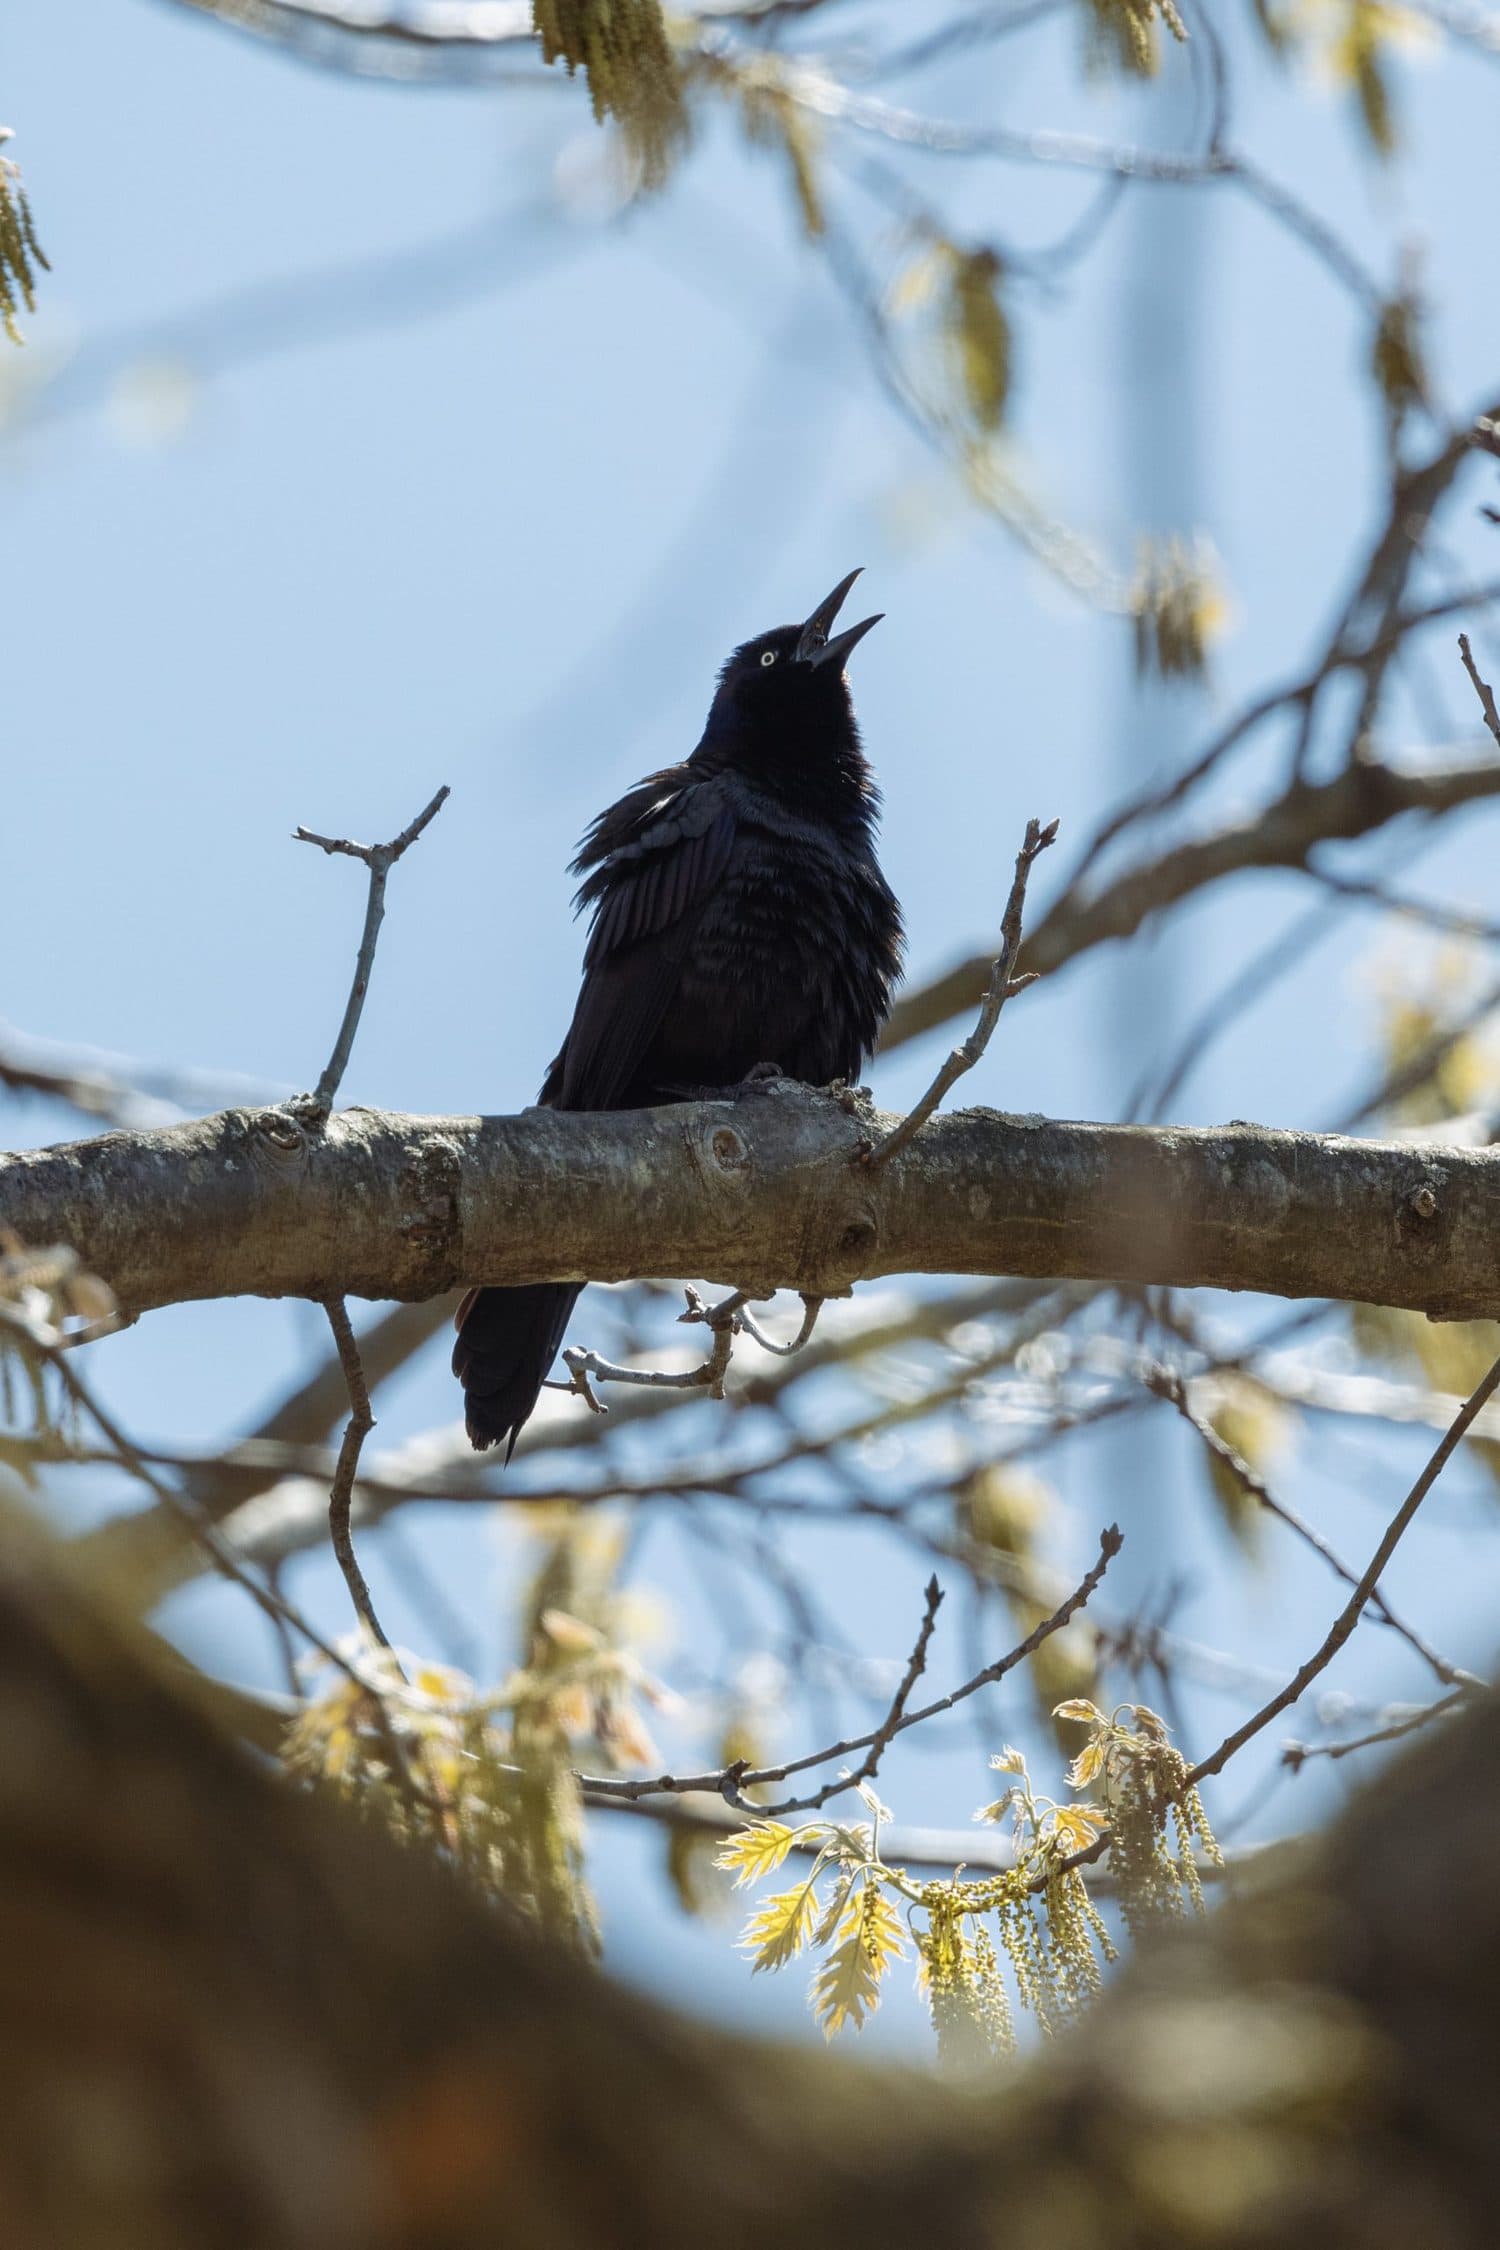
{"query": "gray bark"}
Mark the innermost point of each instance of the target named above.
(761, 1192)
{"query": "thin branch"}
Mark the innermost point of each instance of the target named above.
(731, 1781)
(1338, 1633)
(361, 1422)
(1450, 919)
(1482, 689)
(1349, 1616)
(1003, 983)
(30, 1338)
(150, 1544)
(266, 1597)
(916, 1665)
(727, 1319)
(1296, 1754)
(1166, 1383)
(1369, 631)
(811, 1307)
(379, 859)
(1417, 1069)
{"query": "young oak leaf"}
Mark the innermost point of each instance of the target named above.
(1077, 1826)
(1087, 1766)
(846, 1989)
(755, 1851)
(777, 1931)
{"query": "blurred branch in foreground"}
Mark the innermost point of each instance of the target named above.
(1292, 2067)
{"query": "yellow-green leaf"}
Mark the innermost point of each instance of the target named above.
(846, 1989)
(755, 1851)
(777, 1931)
(1087, 1766)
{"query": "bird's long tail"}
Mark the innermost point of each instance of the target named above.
(507, 1341)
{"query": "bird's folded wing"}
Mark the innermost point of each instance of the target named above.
(648, 891)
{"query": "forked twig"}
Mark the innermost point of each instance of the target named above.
(379, 859)
(726, 1320)
(731, 1781)
(1003, 983)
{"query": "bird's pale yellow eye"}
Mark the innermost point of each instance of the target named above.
(768, 656)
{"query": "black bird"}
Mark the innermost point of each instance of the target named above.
(740, 921)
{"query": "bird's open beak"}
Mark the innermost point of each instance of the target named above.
(815, 647)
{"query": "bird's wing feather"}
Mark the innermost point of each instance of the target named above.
(663, 852)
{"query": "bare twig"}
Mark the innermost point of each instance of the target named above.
(379, 859)
(726, 1320)
(811, 1307)
(1349, 1616)
(1166, 1383)
(916, 1665)
(1482, 688)
(361, 1422)
(1428, 911)
(32, 1339)
(1417, 1068)
(1338, 1633)
(1003, 982)
(1296, 1754)
(731, 1781)
(266, 1597)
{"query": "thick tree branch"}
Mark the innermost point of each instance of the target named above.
(761, 1193)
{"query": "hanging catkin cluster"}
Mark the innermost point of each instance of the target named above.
(622, 48)
(1124, 32)
(20, 252)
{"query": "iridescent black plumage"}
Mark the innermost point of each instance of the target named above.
(740, 918)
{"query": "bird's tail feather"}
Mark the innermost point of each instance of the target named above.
(507, 1341)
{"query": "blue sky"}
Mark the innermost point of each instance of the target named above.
(353, 452)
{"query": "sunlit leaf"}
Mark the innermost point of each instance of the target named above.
(755, 1851)
(778, 1930)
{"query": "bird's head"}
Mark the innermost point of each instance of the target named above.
(788, 686)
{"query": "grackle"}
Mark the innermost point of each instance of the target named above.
(740, 922)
